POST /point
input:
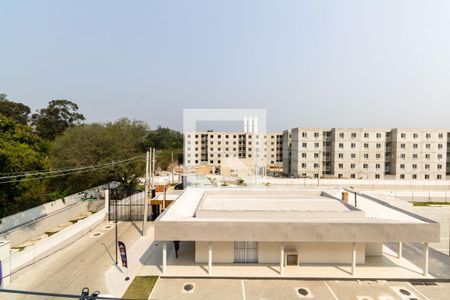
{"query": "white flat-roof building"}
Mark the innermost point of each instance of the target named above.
(288, 227)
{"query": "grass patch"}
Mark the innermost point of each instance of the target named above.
(141, 287)
(50, 233)
(428, 203)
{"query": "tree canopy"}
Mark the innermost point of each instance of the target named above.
(17, 111)
(20, 151)
(53, 120)
(98, 144)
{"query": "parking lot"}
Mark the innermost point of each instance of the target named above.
(246, 289)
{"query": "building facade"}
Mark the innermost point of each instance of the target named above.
(351, 153)
(367, 153)
(232, 151)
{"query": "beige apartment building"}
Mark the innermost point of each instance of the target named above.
(228, 153)
(419, 153)
(367, 153)
(351, 153)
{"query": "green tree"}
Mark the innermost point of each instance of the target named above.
(20, 151)
(165, 138)
(17, 111)
(169, 144)
(53, 120)
(98, 144)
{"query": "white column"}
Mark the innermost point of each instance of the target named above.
(425, 258)
(399, 250)
(107, 204)
(164, 257)
(281, 258)
(209, 258)
(353, 258)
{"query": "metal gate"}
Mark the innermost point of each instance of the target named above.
(245, 252)
(128, 209)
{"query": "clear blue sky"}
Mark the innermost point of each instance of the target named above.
(310, 63)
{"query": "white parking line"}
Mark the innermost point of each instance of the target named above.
(418, 292)
(331, 291)
(243, 289)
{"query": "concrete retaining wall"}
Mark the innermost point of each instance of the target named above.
(55, 242)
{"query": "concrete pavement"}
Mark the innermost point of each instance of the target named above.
(84, 263)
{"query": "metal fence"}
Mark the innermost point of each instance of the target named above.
(128, 209)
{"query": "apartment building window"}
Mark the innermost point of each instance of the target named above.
(304, 145)
(415, 146)
(366, 135)
(353, 145)
(226, 155)
(196, 154)
(365, 166)
(341, 145)
(366, 145)
(316, 145)
(402, 166)
(439, 177)
(441, 135)
(439, 167)
(378, 145)
(377, 166)
(316, 134)
(402, 176)
(304, 134)
(378, 156)
(403, 146)
(196, 136)
(428, 146)
(378, 137)
(234, 136)
(211, 149)
(189, 136)
(427, 156)
(304, 165)
(439, 156)
(341, 155)
(316, 155)
(341, 166)
(211, 143)
(415, 135)
(414, 176)
(403, 135)
(316, 166)
(428, 135)
(353, 176)
(427, 176)
(211, 155)
(377, 176)
(353, 135)
(415, 156)
(341, 135)
(427, 166)
(211, 161)
(340, 176)
(353, 155)
(366, 155)
(303, 155)
(352, 166)
(439, 146)
(414, 166)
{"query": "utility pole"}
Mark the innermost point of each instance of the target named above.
(144, 224)
(172, 165)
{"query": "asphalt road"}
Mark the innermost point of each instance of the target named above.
(81, 264)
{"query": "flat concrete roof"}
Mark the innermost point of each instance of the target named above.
(270, 214)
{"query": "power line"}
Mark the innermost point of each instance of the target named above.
(86, 169)
(35, 173)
